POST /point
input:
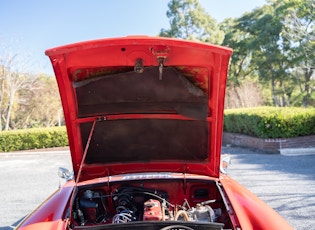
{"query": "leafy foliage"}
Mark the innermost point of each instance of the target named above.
(46, 96)
(35, 138)
(188, 20)
(270, 122)
(35, 103)
(273, 46)
(270, 45)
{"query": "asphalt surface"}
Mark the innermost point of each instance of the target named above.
(26, 180)
(286, 183)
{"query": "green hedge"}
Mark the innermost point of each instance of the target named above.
(36, 138)
(262, 122)
(270, 122)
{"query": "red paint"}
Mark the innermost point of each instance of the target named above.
(205, 67)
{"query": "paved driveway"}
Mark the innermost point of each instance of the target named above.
(27, 179)
(286, 183)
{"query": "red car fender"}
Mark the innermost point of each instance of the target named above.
(53, 225)
(50, 214)
(251, 212)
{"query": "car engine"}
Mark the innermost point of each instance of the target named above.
(129, 203)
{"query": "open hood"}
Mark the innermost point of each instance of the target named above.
(142, 104)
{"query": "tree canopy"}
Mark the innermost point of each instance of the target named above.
(188, 20)
(272, 64)
(273, 47)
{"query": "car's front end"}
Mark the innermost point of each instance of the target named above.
(144, 119)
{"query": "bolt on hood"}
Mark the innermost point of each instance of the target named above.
(142, 104)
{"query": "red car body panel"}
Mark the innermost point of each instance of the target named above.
(50, 214)
(193, 78)
(247, 210)
(251, 211)
(83, 61)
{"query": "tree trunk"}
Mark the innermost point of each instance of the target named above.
(8, 117)
(307, 75)
(273, 92)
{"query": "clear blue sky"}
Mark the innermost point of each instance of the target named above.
(30, 27)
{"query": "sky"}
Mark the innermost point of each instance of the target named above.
(28, 28)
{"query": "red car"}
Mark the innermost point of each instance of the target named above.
(144, 119)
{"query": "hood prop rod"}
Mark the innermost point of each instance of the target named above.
(80, 170)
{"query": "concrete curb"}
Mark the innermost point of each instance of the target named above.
(297, 151)
(37, 151)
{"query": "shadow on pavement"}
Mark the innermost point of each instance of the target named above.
(286, 183)
(300, 165)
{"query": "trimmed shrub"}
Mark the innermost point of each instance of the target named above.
(270, 122)
(35, 138)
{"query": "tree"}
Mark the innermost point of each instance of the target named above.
(188, 20)
(12, 81)
(267, 51)
(40, 107)
(299, 29)
(276, 42)
(26, 100)
(248, 94)
(243, 90)
(240, 40)
(17, 82)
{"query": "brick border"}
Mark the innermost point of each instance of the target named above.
(269, 144)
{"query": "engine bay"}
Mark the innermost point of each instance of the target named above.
(194, 203)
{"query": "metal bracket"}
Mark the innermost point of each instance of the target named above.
(161, 65)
